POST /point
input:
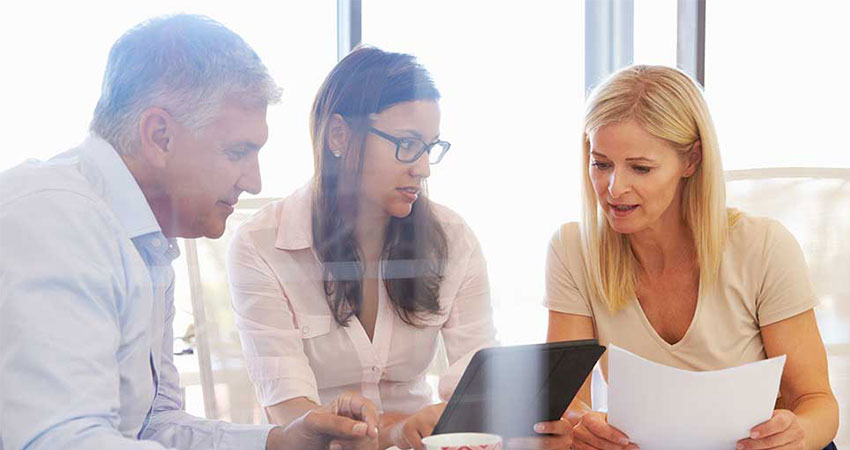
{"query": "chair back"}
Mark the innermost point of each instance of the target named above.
(814, 204)
(227, 390)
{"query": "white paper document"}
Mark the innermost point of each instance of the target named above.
(661, 407)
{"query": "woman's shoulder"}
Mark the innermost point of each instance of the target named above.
(460, 237)
(446, 215)
(743, 223)
(565, 250)
(747, 230)
(567, 237)
(450, 220)
(278, 215)
(758, 240)
(265, 217)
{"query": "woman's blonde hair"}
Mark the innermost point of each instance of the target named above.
(669, 105)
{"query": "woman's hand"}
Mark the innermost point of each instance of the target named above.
(781, 431)
(408, 433)
(558, 436)
(593, 432)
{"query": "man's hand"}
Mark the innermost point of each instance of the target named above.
(349, 422)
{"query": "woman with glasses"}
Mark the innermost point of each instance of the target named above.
(659, 265)
(348, 283)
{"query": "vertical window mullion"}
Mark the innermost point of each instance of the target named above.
(348, 26)
(609, 38)
(690, 38)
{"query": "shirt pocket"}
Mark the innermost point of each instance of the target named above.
(313, 326)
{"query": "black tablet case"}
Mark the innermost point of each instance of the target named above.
(506, 390)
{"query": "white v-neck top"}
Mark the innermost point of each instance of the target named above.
(294, 347)
(763, 279)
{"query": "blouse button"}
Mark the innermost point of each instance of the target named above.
(375, 369)
(305, 330)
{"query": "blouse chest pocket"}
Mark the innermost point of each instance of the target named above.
(312, 326)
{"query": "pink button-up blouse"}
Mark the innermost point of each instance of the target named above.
(293, 346)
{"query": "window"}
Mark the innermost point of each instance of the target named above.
(511, 78)
(655, 32)
(776, 81)
(50, 91)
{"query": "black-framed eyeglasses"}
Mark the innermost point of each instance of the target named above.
(409, 149)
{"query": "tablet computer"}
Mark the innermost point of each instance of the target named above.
(506, 390)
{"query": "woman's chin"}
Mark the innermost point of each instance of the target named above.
(622, 227)
(400, 211)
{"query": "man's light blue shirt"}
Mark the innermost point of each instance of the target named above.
(86, 310)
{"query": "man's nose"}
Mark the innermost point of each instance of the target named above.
(250, 181)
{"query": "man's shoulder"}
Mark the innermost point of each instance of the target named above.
(53, 195)
(44, 181)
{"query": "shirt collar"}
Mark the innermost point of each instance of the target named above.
(120, 190)
(158, 250)
(295, 220)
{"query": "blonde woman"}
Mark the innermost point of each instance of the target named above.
(660, 267)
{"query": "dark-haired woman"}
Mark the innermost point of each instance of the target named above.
(347, 283)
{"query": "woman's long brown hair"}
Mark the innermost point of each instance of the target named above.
(366, 82)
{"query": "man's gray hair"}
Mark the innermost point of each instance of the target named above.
(185, 64)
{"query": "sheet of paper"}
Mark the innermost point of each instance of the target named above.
(661, 407)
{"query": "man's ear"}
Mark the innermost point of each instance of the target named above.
(338, 135)
(156, 129)
(694, 159)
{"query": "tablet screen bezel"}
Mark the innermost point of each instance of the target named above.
(562, 383)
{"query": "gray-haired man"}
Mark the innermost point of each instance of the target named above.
(87, 239)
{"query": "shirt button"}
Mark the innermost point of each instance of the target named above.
(305, 330)
(375, 369)
(156, 243)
